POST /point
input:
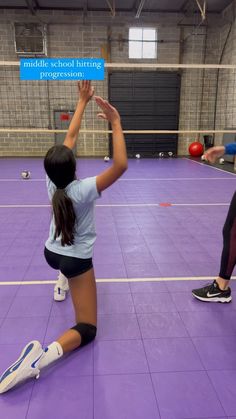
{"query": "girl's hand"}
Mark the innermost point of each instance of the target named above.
(214, 153)
(86, 91)
(108, 113)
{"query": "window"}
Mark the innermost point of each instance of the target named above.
(142, 43)
(30, 39)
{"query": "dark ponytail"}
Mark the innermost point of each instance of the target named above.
(60, 166)
(64, 216)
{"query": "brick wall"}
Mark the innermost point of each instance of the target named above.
(32, 104)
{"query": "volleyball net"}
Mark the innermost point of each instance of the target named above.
(207, 99)
(203, 103)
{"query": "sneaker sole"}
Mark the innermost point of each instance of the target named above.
(213, 299)
(59, 299)
(21, 367)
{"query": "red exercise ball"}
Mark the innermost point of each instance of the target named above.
(196, 149)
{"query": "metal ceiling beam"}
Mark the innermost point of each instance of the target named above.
(134, 8)
(112, 7)
(85, 8)
(31, 6)
(202, 8)
(140, 8)
(182, 8)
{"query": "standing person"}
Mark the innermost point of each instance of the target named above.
(72, 235)
(219, 290)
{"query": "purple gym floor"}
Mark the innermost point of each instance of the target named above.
(159, 353)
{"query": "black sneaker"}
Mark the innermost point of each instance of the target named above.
(213, 293)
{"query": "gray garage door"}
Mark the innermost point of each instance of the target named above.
(147, 101)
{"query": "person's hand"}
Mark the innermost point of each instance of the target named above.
(86, 91)
(109, 113)
(214, 153)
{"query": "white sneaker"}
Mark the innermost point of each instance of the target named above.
(25, 367)
(61, 288)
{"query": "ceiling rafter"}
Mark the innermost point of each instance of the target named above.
(112, 7)
(202, 8)
(32, 6)
(140, 8)
(165, 6)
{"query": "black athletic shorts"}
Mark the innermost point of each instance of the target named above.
(68, 265)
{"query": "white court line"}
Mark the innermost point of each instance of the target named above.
(120, 280)
(212, 167)
(160, 205)
(136, 179)
(218, 204)
(178, 178)
(25, 206)
(21, 180)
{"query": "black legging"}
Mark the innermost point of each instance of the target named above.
(228, 257)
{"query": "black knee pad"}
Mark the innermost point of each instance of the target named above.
(87, 332)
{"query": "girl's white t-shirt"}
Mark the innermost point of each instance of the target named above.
(83, 194)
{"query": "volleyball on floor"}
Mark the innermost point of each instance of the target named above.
(196, 149)
(25, 174)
